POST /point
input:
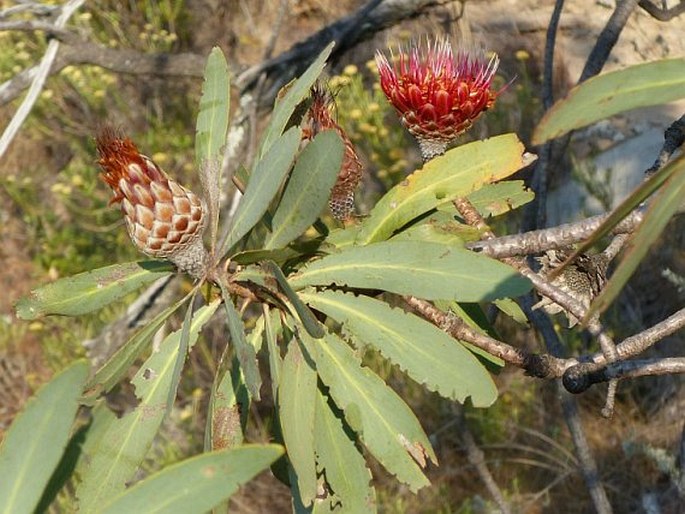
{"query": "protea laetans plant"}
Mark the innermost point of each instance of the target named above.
(164, 219)
(437, 93)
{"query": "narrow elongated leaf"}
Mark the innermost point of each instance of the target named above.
(306, 316)
(116, 367)
(295, 94)
(34, 444)
(512, 309)
(90, 291)
(308, 189)
(195, 485)
(296, 406)
(265, 181)
(247, 356)
(126, 441)
(423, 351)
(459, 172)
(101, 419)
(181, 354)
(386, 425)
(652, 83)
(342, 464)
(279, 255)
(664, 204)
(228, 406)
(212, 119)
(229, 402)
(426, 270)
(272, 328)
(210, 133)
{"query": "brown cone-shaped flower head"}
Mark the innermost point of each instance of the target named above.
(341, 201)
(437, 94)
(164, 219)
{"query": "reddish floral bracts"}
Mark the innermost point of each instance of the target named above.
(437, 94)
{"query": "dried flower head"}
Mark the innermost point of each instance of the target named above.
(583, 279)
(341, 201)
(437, 94)
(164, 219)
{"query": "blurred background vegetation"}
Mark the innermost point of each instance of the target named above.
(55, 221)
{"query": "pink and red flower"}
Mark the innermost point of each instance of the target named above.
(438, 94)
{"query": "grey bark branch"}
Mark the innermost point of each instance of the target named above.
(39, 78)
(116, 60)
(561, 236)
(662, 14)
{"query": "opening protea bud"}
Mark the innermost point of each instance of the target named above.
(341, 201)
(164, 219)
(437, 94)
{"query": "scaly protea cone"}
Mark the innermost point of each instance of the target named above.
(583, 279)
(341, 201)
(164, 219)
(438, 95)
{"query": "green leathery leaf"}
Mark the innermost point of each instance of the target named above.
(116, 367)
(512, 309)
(342, 464)
(229, 400)
(91, 290)
(641, 85)
(385, 424)
(210, 134)
(278, 255)
(439, 227)
(272, 327)
(101, 419)
(306, 316)
(295, 93)
(212, 119)
(34, 443)
(181, 354)
(427, 270)
(247, 356)
(343, 237)
(500, 198)
(308, 189)
(661, 208)
(195, 485)
(265, 181)
(229, 404)
(126, 440)
(296, 406)
(457, 173)
(254, 274)
(423, 351)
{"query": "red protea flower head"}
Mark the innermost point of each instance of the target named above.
(341, 201)
(164, 219)
(438, 95)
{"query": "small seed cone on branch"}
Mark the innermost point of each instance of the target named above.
(164, 219)
(341, 201)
